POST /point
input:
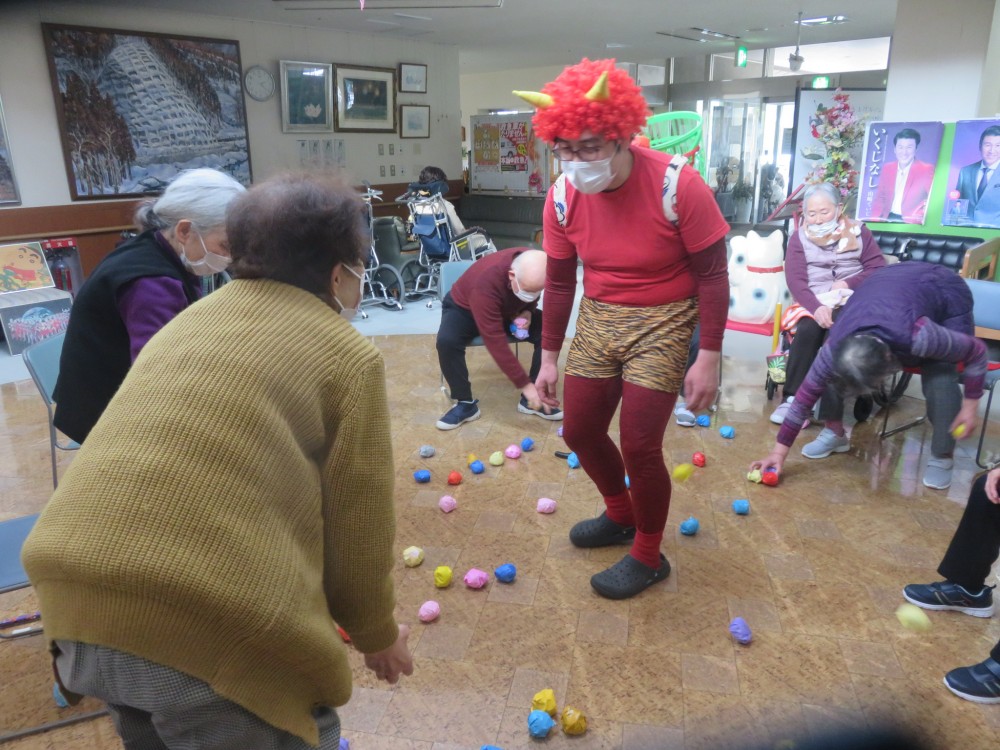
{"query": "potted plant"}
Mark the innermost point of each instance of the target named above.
(743, 198)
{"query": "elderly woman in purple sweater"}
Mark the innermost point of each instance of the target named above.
(906, 315)
(828, 253)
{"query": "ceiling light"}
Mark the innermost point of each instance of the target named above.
(795, 60)
(823, 21)
(616, 45)
(713, 34)
(352, 5)
(681, 36)
(415, 18)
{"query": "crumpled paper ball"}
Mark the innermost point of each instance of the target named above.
(683, 472)
(476, 467)
(490, 747)
(727, 432)
(519, 333)
(413, 556)
(573, 462)
(754, 475)
(506, 573)
(442, 576)
(471, 458)
(521, 322)
(426, 451)
(544, 700)
(741, 507)
(546, 505)
(455, 478)
(512, 451)
(740, 630)
(447, 503)
(527, 444)
(345, 744)
(429, 611)
(770, 478)
(703, 421)
(476, 578)
(690, 526)
(559, 431)
(540, 724)
(698, 459)
(573, 721)
(913, 618)
(422, 476)
(496, 458)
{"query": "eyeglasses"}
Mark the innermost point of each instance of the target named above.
(590, 151)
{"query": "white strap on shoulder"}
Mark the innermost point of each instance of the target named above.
(559, 199)
(671, 178)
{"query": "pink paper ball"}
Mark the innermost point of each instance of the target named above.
(513, 451)
(476, 578)
(429, 611)
(546, 505)
(447, 503)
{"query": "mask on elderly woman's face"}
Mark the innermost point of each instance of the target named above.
(210, 263)
(348, 313)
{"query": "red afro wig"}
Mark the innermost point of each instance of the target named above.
(618, 117)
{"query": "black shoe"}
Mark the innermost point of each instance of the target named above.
(459, 414)
(863, 406)
(947, 595)
(554, 413)
(600, 532)
(979, 683)
(628, 577)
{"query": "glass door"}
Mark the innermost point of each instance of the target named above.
(733, 147)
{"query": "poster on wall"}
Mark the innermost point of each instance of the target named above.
(898, 170)
(514, 146)
(809, 145)
(23, 266)
(27, 324)
(135, 108)
(973, 187)
(506, 156)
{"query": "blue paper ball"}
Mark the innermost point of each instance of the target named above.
(628, 483)
(690, 526)
(741, 507)
(573, 461)
(490, 747)
(426, 451)
(527, 444)
(727, 432)
(704, 421)
(58, 697)
(740, 630)
(506, 573)
(422, 476)
(539, 724)
(476, 467)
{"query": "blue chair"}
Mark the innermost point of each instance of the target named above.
(986, 313)
(12, 575)
(42, 361)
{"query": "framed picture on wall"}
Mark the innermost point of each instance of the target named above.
(973, 187)
(135, 108)
(366, 99)
(8, 185)
(414, 121)
(306, 97)
(412, 78)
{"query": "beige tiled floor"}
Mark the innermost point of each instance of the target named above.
(815, 569)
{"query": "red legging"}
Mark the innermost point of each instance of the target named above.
(590, 406)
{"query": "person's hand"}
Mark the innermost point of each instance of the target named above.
(823, 316)
(702, 381)
(840, 285)
(967, 418)
(389, 663)
(530, 393)
(993, 486)
(775, 460)
(524, 315)
(546, 382)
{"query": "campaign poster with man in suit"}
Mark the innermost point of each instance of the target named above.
(898, 171)
(974, 181)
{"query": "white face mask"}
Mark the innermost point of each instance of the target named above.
(821, 230)
(348, 313)
(589, 176)
(523, 295)
(210, 262)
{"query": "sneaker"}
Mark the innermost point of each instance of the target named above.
(628, 577)
(979, 683)
(600, 532)
(779, 414)
(947, 595)
(553, 415)
(685, 417)
(826, 442)
(937, 475)
(459, 414)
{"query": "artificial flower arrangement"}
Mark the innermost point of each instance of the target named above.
(838, 129)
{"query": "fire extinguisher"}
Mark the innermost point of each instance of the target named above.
(61, 273)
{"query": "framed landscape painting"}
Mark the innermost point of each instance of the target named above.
(135, 108)
(8, 185)
(366, 99)
(306, 97)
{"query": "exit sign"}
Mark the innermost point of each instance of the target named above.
(741, 56)
(821, 82)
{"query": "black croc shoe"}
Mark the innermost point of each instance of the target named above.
(600, 532)
(628, 577)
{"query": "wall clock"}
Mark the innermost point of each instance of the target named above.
(259, 83)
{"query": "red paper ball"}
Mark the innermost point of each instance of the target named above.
(698, 459)
(770, 478)
(455, 478)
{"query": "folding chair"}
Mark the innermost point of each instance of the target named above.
(42, 361)
(986, 313)
(12, 575)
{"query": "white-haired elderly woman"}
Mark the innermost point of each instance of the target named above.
(827, 258)
(138, 288)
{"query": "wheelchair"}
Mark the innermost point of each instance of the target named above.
(383, 284)
(431, 226)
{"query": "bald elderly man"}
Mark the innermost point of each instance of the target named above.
(496, 291)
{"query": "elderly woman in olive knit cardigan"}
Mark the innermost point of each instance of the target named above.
(235, 501)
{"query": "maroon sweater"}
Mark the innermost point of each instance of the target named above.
(484, 290)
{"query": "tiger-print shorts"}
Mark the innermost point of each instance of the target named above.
(645, 346)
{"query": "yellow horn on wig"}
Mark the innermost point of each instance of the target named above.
(538, 99)
(599, 91)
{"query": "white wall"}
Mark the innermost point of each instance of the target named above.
(936, 65)
(32, 130)
(486, 91)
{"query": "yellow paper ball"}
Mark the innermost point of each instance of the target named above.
(442, 576)
(958, 431)
(496, 459)
(413, 556)
(573, 721)
(471, 458)
(544, 700)
(755, 476)
(683, 472)
(913, 618)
